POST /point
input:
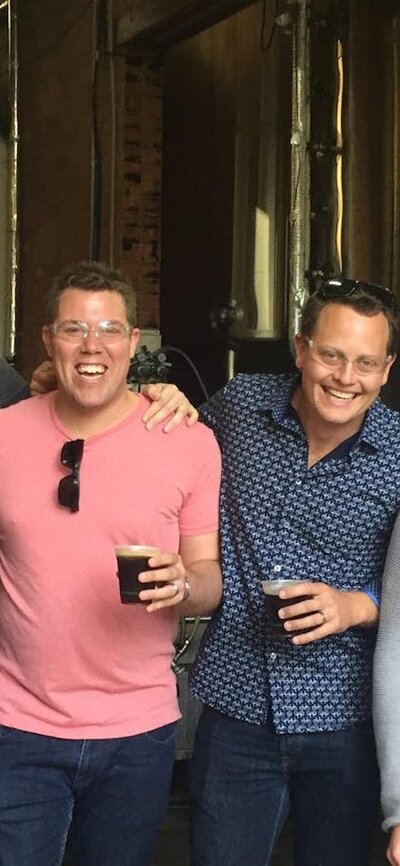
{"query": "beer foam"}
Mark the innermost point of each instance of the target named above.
(132, 551)
(273, 587)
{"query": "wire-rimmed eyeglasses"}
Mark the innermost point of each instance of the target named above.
(334, 359)
(74, 331)
(343, 287)
(68, 488)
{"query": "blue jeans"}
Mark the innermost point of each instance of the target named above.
(245, 779)
(110, 794)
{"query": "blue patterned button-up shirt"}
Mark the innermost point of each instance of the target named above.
(330, 522)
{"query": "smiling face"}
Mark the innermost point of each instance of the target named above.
(91, 374)
(339, 398)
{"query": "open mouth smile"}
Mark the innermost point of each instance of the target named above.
(91, 370)
(340, 395)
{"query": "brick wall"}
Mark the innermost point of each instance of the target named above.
(142, 167)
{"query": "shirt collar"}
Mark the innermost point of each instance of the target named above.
(371, 431)
(280, 410)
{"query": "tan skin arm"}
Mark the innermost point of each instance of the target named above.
(198, 561)
(168, 401)
(329, 610)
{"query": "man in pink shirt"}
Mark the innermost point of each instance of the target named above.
(87, 698)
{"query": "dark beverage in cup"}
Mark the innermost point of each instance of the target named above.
(131, 560)
(273, 604)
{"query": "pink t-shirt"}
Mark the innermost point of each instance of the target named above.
(74, 661)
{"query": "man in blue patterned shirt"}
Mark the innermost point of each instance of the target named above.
(311, 487)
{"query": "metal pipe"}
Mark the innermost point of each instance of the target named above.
(395, 257)
(338, 171)
(113, 131)
(299, 220)
(11, 312)
(94, 166)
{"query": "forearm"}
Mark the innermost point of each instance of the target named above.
(205, 588)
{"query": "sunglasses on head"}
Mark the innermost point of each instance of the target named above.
(339, 287)
(68, 488)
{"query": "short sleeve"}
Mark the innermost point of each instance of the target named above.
(199, 514)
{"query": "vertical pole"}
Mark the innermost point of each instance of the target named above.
(299, 222)
(11, 313)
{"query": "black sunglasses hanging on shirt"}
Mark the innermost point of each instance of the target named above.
(68, 488)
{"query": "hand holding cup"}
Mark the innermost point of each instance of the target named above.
(274, 603)
(150, 576)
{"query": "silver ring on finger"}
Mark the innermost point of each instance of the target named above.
(175, 587)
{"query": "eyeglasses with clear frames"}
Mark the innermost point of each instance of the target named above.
(74, 331)
(333, 359)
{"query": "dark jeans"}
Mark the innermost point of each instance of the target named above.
(245, 778)
(112, 793)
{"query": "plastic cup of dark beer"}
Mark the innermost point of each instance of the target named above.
(273, 604)
(131, 560)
